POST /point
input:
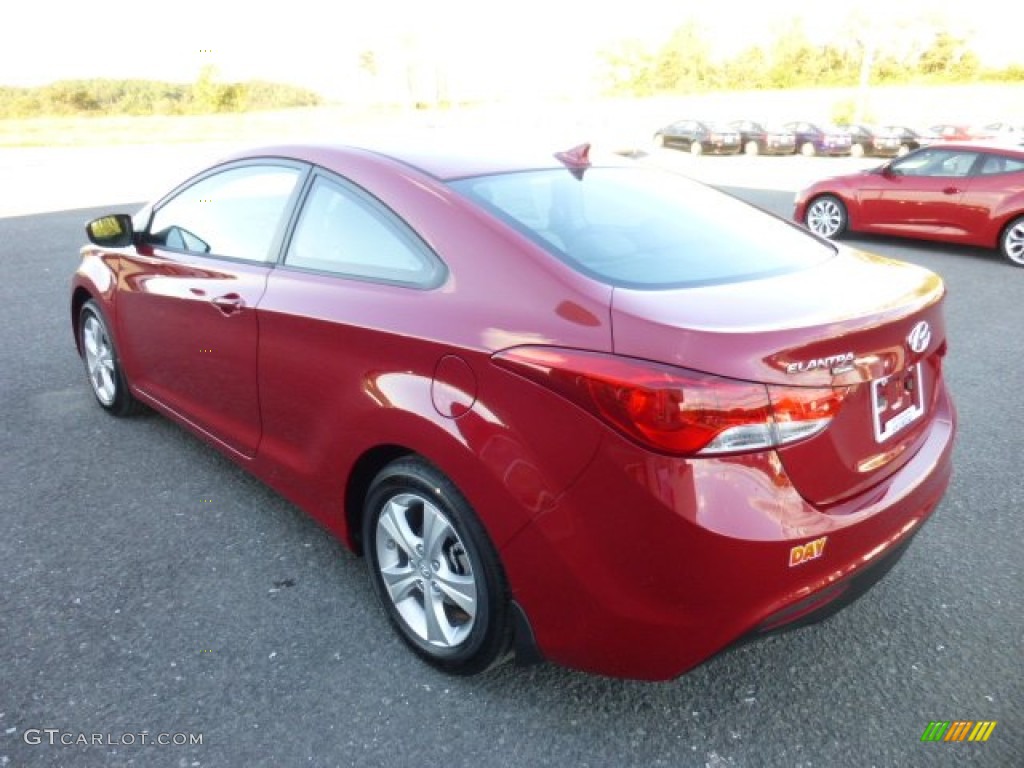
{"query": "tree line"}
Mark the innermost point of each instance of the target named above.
(151, 97)
(686, 64)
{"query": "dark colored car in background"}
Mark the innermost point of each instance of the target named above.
(972, 194)
(869, 141)
(699, 137)
(814, 139)
(910, 138)
(595, 412)
(759, 139)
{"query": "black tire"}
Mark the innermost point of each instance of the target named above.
(826, 216)
(1011, 242)
(426, 570)
(103, 364)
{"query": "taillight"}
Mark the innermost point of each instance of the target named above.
(673, 410)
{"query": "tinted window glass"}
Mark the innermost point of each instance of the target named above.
(645, 228)
(935, 162)
(233, 213)
(1000, 164)
(344, 231)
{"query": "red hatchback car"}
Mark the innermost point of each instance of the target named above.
(590, 412)
(972, 194)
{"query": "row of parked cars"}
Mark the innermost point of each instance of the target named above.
(809, 139)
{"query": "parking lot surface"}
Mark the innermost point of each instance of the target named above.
(151, 586)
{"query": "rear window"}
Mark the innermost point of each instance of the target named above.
(643, 228)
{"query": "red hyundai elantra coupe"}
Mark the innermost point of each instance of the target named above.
(971, 194)
(584, 411)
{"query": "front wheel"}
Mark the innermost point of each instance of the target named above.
(102, 364)
(434, 569)
(1012, 242)
(826, 216)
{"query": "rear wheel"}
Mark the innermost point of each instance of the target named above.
(751, 148)
(807, 149)
(826, 216)
(102, 364)
(1012, 242)
(434, 569)
(696, 148)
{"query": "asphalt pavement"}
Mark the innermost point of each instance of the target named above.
(151, 587)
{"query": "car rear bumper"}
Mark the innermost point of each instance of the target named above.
(721, 149)
(650, 565)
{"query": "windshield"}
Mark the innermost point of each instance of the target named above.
(643, 228)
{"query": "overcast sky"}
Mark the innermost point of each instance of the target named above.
(505, 48)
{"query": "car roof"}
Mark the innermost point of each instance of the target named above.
(443, 161)
(988, 145)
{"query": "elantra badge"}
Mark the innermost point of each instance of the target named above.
(832, 362)
(920, 336)
(803, 553)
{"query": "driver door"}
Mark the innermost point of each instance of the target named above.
(187, 297)
(918, 194)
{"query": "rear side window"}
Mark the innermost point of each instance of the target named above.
(344, 231)
(235, 213)
(993, 164)
(642, 228)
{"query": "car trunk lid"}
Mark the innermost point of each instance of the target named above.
(869, 325)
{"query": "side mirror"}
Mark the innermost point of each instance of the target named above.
(114, 231)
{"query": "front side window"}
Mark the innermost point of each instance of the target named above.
(234, 213)
(343, 231)
(643, 228)
(935, 162)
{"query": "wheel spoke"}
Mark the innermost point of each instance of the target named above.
(400, 580)
(436, 531)
(460, 590)
(396, 525)
(439, 629)
(91, 342)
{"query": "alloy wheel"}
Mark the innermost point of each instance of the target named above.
(426, 570)
(826, 217)
(1013, 242)
(99, 360)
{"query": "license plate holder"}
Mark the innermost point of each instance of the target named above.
(897, 401)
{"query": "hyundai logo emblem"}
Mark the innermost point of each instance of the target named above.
(920, 337)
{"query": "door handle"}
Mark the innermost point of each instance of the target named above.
(951, 191)
(229, 303)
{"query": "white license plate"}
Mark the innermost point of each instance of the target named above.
(897, 401)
